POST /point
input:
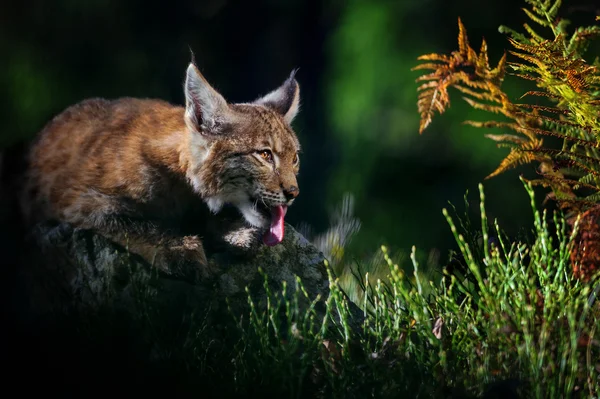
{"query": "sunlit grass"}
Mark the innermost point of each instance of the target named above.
(513, 313)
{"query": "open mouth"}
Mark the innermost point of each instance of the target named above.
(276, 214)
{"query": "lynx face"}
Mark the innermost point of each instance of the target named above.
(245, 155)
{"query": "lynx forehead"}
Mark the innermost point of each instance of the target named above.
(107, 164)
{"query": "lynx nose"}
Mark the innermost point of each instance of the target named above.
(291, 192)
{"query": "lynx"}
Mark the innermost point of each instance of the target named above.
(145, 172)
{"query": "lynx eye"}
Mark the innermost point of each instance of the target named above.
(295, 160)
(267, 155)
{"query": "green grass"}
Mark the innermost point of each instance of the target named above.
(509, 318)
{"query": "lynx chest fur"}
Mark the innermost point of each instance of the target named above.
(143, 166)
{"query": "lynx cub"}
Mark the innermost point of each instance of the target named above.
(138, 169)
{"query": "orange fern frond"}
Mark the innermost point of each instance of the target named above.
(461, 68)
(515, 158)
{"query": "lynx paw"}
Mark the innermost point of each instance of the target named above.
(189, 248)
(186, 256)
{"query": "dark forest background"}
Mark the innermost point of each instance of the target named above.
(358, 124)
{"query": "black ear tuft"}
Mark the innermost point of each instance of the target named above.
(285, 99)
(192, 56)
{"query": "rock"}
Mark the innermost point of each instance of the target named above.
(74, 270)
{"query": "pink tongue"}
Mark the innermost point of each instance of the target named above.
(275, 234)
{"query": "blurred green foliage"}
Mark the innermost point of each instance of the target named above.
(400, 180)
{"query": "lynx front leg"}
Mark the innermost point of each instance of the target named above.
(176, 255)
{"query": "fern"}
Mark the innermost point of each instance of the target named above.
(452, 71)
(565, 80)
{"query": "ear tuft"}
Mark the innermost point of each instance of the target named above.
(205, 109)
(285, 99)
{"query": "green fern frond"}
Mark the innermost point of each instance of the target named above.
(580, 40)
(518, 36)
(588, 179)
(534, 36)
(538, 20)
(592, 198)
(567, 124)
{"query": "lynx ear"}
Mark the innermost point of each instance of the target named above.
(206, 111)
(285, 99)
